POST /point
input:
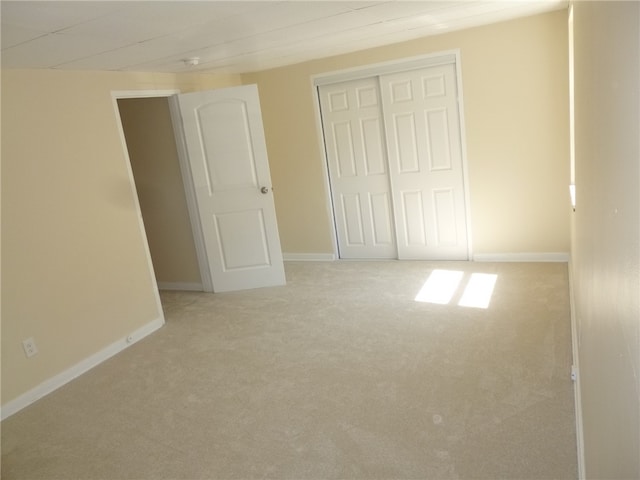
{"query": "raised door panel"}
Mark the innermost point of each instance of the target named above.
(413, 228)
(351, 210)
(375, 159)
(229, 140)
(438, 139)
(247, 251)
(444, 215)
(343, 150)
(381, 219)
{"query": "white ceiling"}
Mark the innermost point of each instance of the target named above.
(227, 36)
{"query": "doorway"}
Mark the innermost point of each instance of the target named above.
(149, 139)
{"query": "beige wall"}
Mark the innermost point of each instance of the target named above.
(606, 234)
(74, 270)
(515, 84)
(154, 161)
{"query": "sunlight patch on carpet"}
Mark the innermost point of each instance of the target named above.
(479, 290)
(442, 285)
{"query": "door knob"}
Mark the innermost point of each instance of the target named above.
(264, 190)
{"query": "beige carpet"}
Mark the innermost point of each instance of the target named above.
(340, 374)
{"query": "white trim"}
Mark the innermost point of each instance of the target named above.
(562, 257)
(115, 95)
(382, 68)
(78, 369)
(143, 93)
(309, 257)
(465, 158)
(577, 395)
(325, 167)
(182, 286)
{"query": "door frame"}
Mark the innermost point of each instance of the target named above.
(115, 96)
(382, 68)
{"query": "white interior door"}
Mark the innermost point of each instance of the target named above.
(425, 162)
(224, 143)
(354, 140)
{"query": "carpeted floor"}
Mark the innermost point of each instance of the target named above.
(339, 374)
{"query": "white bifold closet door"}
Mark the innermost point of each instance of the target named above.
(393, 146)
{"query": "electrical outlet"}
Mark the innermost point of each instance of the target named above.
(29, 346)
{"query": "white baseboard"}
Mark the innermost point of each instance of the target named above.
(577, 396)
(522, 257)
(479, 257)
(184, 286)
(78, 369)
(308, 257)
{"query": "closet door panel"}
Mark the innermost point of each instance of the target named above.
(425, 162)
(358, 171)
